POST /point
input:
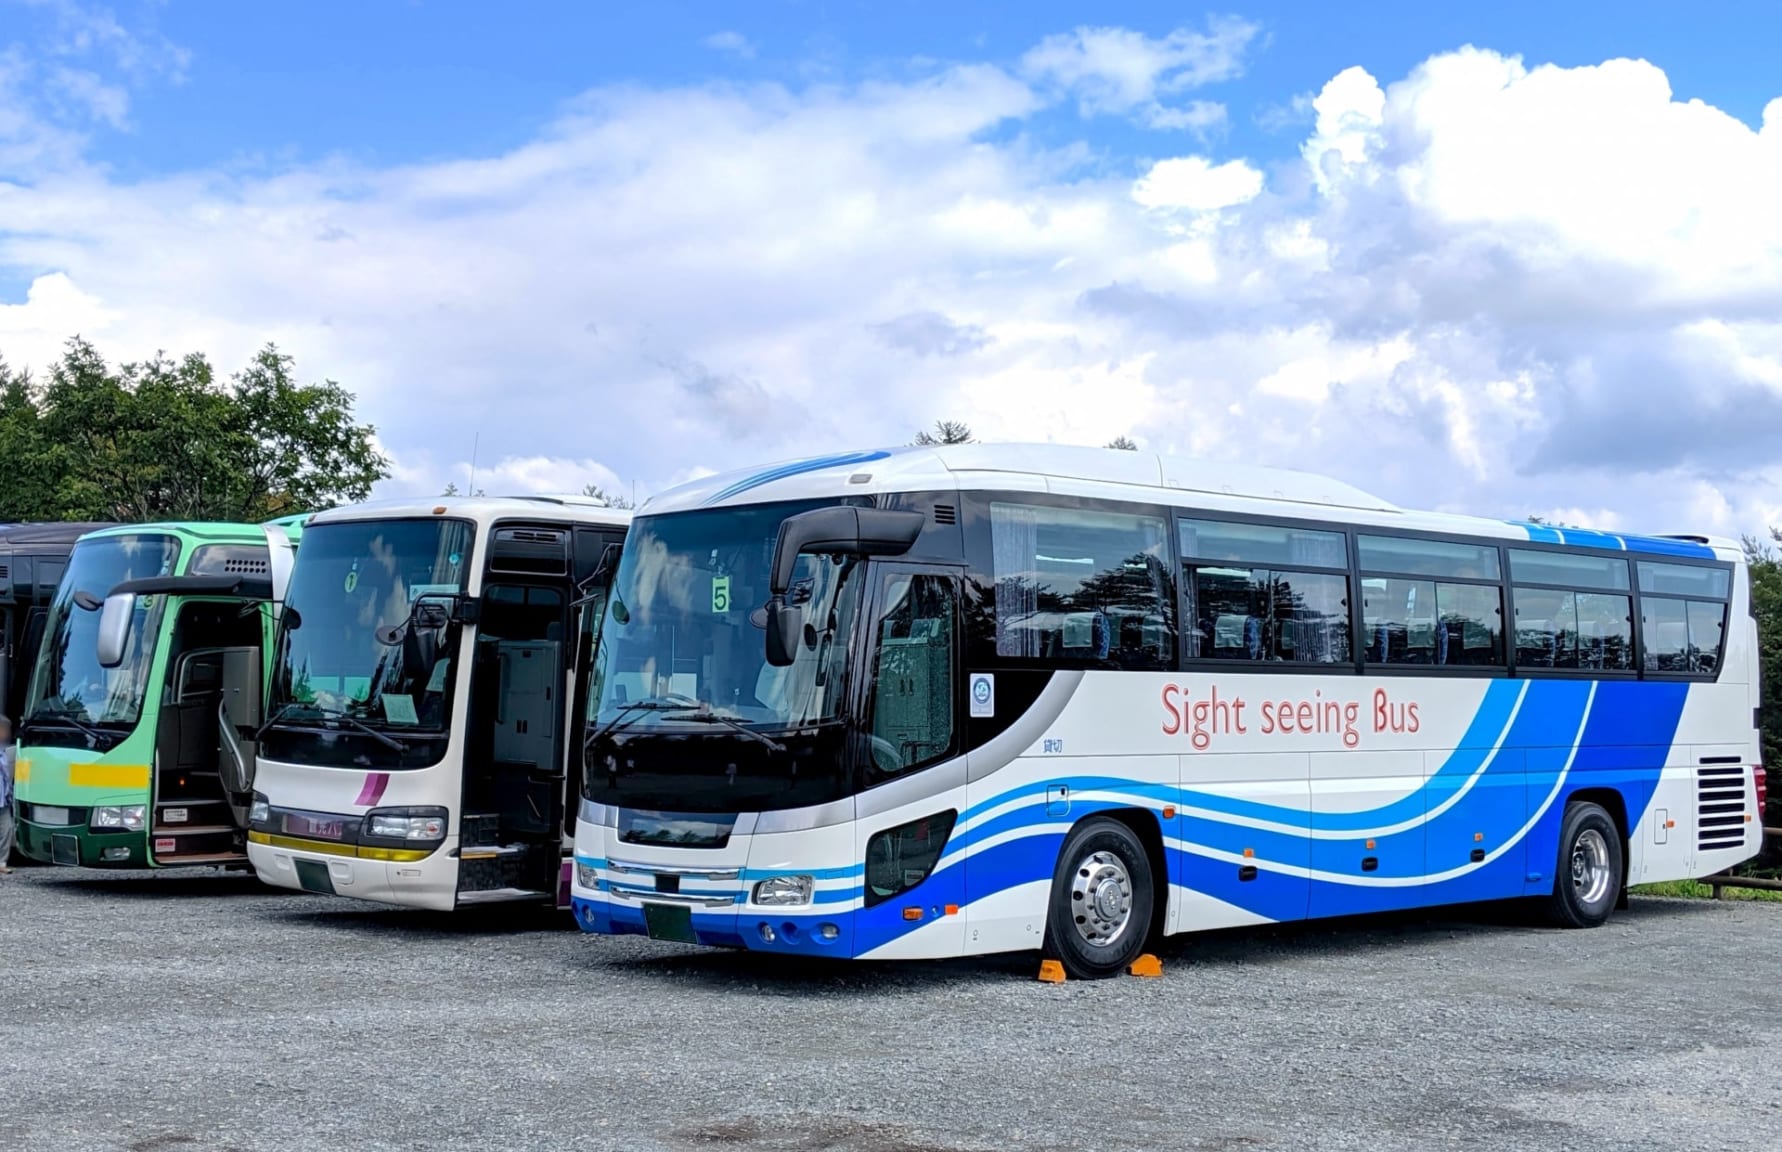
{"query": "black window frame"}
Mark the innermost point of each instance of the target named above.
(1185, 625)
(1507, 666)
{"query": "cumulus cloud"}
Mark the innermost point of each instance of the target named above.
(1116, 71)
(1485, 287)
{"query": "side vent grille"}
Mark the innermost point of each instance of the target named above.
(246, 567)
(946, 514)
(3, 572)
(1720, 806)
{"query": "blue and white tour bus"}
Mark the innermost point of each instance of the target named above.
(940, 701)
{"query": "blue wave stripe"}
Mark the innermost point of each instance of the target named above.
(793, 468)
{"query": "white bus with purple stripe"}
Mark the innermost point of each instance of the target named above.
(942, 701)
(426, 685)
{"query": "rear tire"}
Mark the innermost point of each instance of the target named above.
(1100, 910)
(1591, 871)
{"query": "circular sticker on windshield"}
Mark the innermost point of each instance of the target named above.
(453, 558)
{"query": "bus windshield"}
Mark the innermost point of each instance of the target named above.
(71, 686)
(681, 657)
(361, 676)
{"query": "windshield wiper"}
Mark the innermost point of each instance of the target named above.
(326, 714)
(631, 712)
(69, 718)
(703, 717)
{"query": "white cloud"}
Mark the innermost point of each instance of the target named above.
(1117, 71)
(1197, 116)
(1196, 184)
(734, 43)
(1452, 303)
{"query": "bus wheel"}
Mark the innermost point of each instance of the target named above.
(1588, 881)
(1100, 910)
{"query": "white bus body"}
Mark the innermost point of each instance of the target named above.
(424, 692)
(1091, 696)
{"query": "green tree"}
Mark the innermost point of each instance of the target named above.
(596, 492)
(945, 432)
(163, 440)
(1123, 443)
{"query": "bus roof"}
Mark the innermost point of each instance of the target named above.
(1125, 475)
(484, 510)
(47, 532)
(214, 531)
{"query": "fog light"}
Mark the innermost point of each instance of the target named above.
(114, 854)
(829, 931)
(783, 890)
(767, 933)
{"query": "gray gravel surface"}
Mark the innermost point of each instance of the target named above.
(190, 1012)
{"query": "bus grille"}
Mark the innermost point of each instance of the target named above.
(1720, 806)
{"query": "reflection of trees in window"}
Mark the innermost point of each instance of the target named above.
(1264, 614)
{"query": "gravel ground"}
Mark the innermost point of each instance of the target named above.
(192, 1012)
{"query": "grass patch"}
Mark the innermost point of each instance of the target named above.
(1695, 889)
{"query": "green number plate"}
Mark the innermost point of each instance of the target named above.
(669, 922)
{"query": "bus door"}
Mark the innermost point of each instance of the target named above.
(511, 840)
(910, 763)
(204, 751)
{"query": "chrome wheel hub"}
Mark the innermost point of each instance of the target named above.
(1101, 899)
(1591, 873)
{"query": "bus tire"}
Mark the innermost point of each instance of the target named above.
(1100, 909)
(1591, 870)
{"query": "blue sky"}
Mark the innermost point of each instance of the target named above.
(390, 82)
(1502, 258)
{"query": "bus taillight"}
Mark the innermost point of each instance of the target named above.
(1763, 789)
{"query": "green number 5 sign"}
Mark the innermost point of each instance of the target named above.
(720, 593)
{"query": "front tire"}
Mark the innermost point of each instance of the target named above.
(1591, 871)
(1100, 910)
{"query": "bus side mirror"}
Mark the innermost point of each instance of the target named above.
(114, 628)
(782, 632)
(846, 530)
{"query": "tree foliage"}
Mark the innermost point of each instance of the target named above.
(945, 432)
(596, 492)
(1123, 443)
(165, 440)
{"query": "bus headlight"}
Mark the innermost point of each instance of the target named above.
(127, 818)
(261, 813)
(587, 876)
(408, 825)
(784, 890)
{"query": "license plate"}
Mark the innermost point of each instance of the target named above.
(175, 815)
(166, 844)
(55, 816)
(669, 922)
(312, 875)
(316, 829)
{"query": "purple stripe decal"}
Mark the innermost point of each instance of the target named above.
(375, 783)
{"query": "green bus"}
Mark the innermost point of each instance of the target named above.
(135, 746)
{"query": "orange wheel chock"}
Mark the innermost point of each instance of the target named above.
(1051, 972)
(1146, 965)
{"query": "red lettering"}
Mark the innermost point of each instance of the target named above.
(1306, 716)
(1172, 720)
(1284, 713)
(1268, 718)
(1411, 709)
(1237, 716)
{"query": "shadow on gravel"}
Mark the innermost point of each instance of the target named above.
(180, 885)
(1236, 947)
(375, 920)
